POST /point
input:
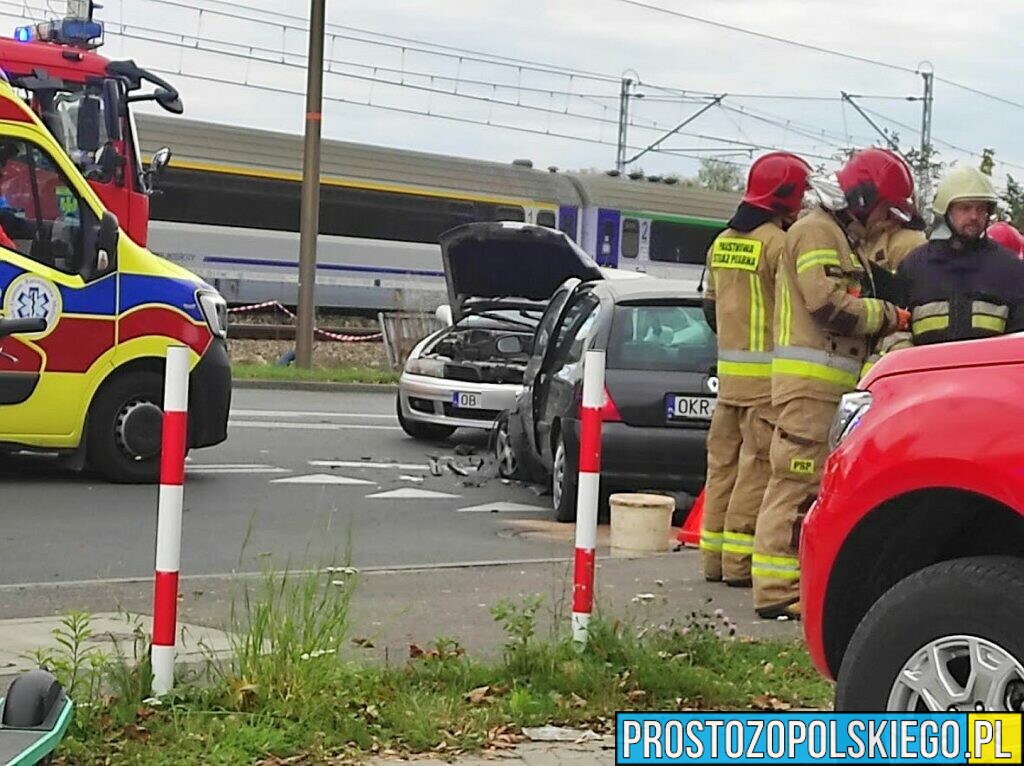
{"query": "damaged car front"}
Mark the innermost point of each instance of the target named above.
(500, 277)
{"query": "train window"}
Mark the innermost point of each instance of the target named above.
(546, 218)
(509, 213)
(630, 238)
(681, 242)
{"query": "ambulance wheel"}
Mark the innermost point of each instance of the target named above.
(125, 427)
(947, 638)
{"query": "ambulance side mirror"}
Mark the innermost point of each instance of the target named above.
(106, 242)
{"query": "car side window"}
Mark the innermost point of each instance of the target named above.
(40, 211)
(572, 333)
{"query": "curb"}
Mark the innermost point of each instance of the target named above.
(315, 385)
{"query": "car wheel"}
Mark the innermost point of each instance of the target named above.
(947, 638)
(563, 484)
(505, 452)
(422, 431)
(125, 429)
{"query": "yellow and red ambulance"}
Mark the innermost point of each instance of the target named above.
(90, 385)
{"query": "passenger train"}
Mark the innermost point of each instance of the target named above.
(227, 208)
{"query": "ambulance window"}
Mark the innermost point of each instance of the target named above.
(630, 238)
(40, 211)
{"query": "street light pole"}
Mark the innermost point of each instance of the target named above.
(310, 218)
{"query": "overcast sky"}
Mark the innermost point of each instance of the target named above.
(975, 44)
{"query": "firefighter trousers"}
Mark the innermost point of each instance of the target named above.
(798, 452)
(739, 444)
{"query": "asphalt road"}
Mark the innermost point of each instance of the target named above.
(304, 479)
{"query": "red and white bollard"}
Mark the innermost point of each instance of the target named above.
(588, 492)
(168, 525)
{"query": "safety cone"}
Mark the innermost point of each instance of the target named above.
(689, 534)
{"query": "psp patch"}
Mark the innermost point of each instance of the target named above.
(801, 466)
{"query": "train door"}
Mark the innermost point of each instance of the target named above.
(607, 243)
(635, 243)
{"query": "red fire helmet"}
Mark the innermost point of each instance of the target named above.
(777, 182)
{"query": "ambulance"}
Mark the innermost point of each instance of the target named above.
(90, 384)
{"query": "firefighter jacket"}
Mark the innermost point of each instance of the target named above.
(741, 293)
(826, 321)
(888, 243)
(958, 294)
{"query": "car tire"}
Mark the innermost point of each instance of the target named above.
(505, 452)
(940, 612)
(125, 427)
(422, 431)
(563, 483)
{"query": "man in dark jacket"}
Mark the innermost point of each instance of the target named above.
(961, 284)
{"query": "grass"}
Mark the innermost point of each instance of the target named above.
(291, 692)
(321, 374)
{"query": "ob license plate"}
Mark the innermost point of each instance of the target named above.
(689, 407)
(466, 401)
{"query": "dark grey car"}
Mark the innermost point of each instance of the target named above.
(660, 390)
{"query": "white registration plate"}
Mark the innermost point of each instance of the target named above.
(689, 407)
(467, 401)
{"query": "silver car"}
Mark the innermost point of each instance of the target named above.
(500, 277)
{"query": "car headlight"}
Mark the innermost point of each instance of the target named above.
(433, 368)
(852, 408)
(215, 309)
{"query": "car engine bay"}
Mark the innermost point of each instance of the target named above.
(483, 356)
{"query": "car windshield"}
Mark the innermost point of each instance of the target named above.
(525, 318)
(661, 337)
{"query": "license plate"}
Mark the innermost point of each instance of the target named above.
(689, 407)
(465, 401)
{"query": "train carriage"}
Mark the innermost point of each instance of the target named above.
(228, 208)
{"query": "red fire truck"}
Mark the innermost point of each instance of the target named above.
(85, 101)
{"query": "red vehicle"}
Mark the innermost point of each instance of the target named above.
(912, 557)
(84, 99)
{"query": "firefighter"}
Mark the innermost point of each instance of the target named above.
(1007, 235)
(963, 284)
(826, 320)
(739, 305)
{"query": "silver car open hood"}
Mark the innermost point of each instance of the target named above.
(487, 265)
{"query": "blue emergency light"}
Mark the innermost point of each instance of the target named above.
(82, 33)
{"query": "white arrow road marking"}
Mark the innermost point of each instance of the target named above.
(501, 507)
(303, 414)
(321, 478)
(412, 494)
(368, 464)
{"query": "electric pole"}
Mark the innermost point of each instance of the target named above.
(620, 157)
(310, 218)
(924, 175)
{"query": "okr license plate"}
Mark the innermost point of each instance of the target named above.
(689, 407)
(466, 401)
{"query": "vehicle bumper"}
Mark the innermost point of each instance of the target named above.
(820, 543)
(639, 457)
(209, 387)
(429, 400)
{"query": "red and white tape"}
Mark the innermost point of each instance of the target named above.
(588, 492)
(316, 331)
(169, 514)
